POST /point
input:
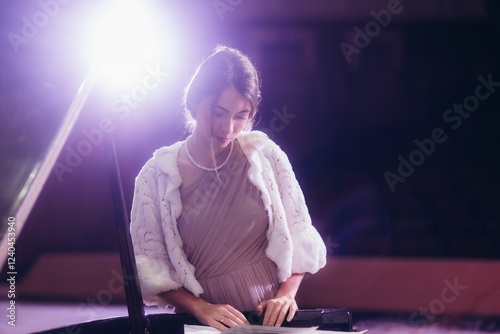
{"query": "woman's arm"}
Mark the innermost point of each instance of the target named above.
(215, 315)
(283, 304)
(155, 270)
(308, 250)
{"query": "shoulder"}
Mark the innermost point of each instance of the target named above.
(163, 160)
(256, 141)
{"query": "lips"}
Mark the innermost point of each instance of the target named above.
(223, 139)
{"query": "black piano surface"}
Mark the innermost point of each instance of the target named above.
(335, 319)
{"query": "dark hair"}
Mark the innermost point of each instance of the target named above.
(226, 67)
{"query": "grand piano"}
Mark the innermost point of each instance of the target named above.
(25, 184)
(27, 162)
(34, 135)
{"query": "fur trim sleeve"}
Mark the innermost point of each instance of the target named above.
(156, 273)
(309, 251)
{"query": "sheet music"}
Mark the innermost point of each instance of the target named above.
(248, 329)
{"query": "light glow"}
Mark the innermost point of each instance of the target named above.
(126, 45)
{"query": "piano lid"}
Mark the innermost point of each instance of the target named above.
(28, 162)
(41, 95)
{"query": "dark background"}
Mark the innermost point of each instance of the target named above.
(347, 121)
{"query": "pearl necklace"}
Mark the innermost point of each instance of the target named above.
(216, 168)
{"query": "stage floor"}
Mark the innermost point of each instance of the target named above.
(37, 316)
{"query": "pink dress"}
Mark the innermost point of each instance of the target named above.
(223, 228)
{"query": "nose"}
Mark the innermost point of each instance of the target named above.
(227, 125)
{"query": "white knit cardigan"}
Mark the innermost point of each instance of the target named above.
(294, 244)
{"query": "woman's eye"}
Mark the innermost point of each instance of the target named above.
(241, 116)
(217, 113)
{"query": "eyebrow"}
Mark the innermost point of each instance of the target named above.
(241, 111)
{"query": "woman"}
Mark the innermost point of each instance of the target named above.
(219, 222)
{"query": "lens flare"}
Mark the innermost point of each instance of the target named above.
(126, 44)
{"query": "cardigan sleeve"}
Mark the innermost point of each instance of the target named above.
(309, 251)
(155, 270)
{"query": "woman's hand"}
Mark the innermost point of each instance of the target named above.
(283, 304)
(219, 316)
(216, 315)
(277, 309)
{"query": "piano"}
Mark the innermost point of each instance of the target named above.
(28, 157)
(333, 319)
(25, 188)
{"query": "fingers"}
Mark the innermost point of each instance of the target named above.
(291, 312)
(260, 308)
(277, 310)
(217, 325)
(228, 322)
(275, 313)
(222, 317)
(236, 316)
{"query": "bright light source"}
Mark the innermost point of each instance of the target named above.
(126, 44)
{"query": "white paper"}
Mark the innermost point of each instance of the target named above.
(247, 329)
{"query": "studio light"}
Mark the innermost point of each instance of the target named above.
(126, 44)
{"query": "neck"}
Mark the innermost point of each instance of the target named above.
(205, 151)
(214, 166)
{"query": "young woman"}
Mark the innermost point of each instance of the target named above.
(219, 221)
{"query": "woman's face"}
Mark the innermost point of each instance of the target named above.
(223, 120)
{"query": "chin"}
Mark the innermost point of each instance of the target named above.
(222, 142)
